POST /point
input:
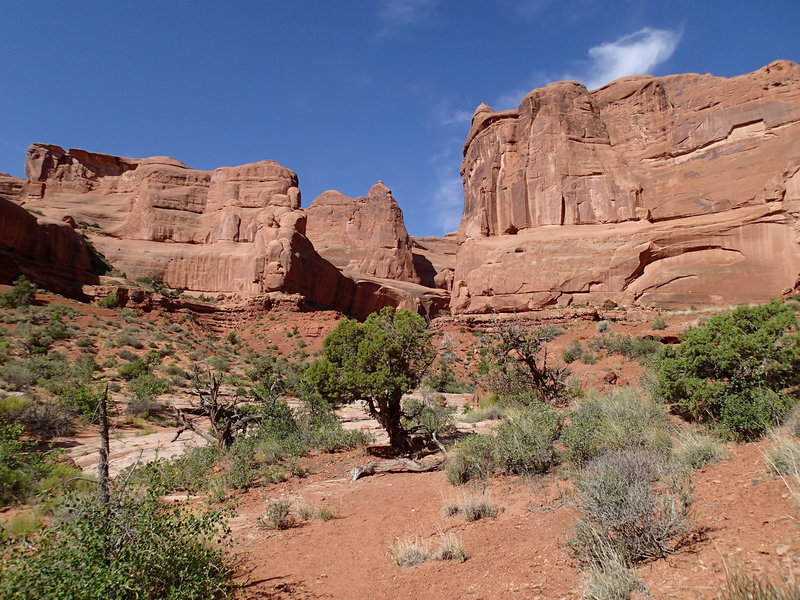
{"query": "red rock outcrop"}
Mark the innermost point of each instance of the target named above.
(230, 230)
(659, 190)
(364, 235)
(48, 252)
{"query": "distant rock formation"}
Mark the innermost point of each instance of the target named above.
(232, 230)
(365, 235)
(670, 190)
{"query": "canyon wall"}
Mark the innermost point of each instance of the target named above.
(668, 191)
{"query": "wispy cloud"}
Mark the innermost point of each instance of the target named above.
(444, 112)
(448, 201)
(637, 53)
(397, 14)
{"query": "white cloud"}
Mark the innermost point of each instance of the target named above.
(445, 113)
(405, 12)
(638, 53)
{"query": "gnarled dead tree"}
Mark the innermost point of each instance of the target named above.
(227, 417)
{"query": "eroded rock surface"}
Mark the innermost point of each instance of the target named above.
(365, 235)
(661, 190)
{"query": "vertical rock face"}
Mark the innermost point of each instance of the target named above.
(364, 235)
(670, 190)
(48, 252)
(234, 229)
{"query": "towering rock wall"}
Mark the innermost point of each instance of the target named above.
(669, 191)
(232, 230)
(365, 235)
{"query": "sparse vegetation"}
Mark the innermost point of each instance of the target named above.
(472, 508)
(409, 551)
(450, 548)
(278, 515)
(736, 370)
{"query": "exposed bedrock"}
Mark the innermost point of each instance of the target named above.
(670, 190)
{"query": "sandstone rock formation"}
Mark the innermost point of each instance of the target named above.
(365, 235)
(47, 251)
(232, 230)
(658, 190)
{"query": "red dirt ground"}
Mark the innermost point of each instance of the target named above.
(747, 519)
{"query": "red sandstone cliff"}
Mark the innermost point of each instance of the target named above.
(670, 190)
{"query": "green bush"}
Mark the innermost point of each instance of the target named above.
(137, 549)
(641, 349)
(474, 457)
(615, 421)
(20, 295)
(658, 323)
(525, 441)
(134, 369)
(110, 301)
(733, 370)
(444, 380)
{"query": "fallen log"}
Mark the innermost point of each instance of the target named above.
(398, 464)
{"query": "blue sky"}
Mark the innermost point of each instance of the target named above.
(343, 92)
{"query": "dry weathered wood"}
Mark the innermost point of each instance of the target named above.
(398, 464)
(103, 494)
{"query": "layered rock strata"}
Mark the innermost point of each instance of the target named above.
(365, 235)
(658, 190)
(232, 230)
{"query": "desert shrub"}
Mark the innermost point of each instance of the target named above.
(450, 548)
(486, 412)
(610, 579)
(16, 376)
(147, 386)
(23, 468)
(732, 370)
(525, 441)
(134, 369)
(658, 323)
(615, 421)
(20, 295)
(603, 326)
(428, 418)
(444, 380)
(189, 472)
(128, 338)
(742, 586)
(588, 358)
(409, 551)
(278, 515)
(127, 355)
(783, 456)
(641, 349)
(41, 419)
(572, 352)
(110, 301)
(630, 505)
(517, 365)
(219, 364)
(136, 548)
(474, 457)
(696, 450)
(472, 508)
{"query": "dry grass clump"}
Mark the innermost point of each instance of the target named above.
(742, 586)
(783, 456)
(278, 515)
(409, 551)
(697, 450)
(472, 508)
(322, 513)
(450, 548)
